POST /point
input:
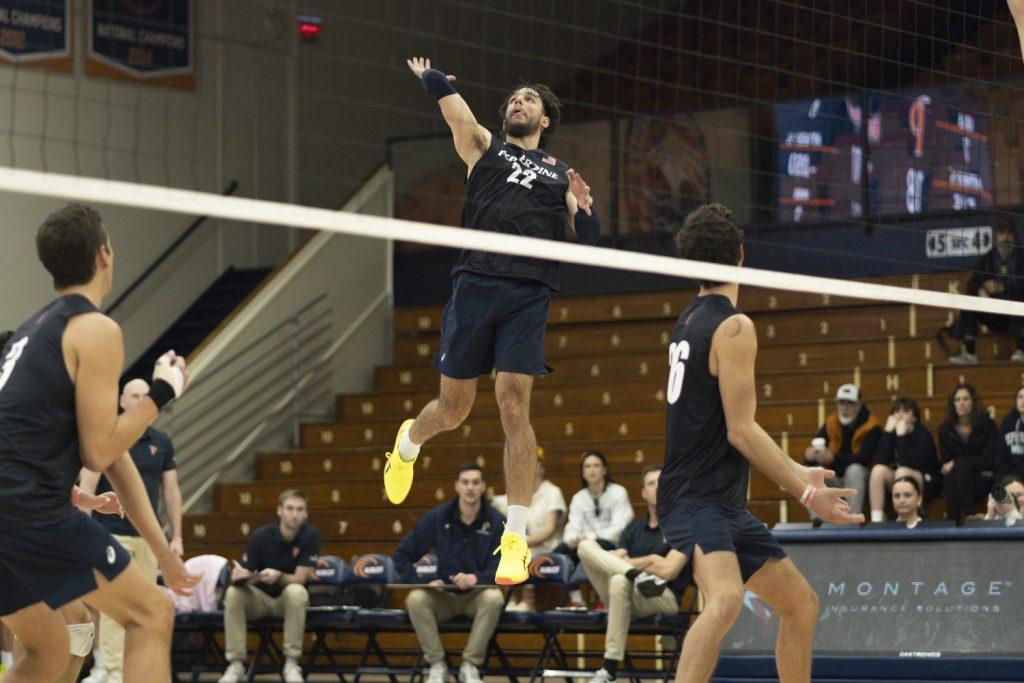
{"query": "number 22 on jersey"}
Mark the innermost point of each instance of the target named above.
(12, 357)
(677, 353)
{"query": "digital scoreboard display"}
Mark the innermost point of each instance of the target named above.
(820, 160)
(900, 153)
(934, 153)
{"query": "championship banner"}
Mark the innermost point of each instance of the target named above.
(142, 40)
(36, 32)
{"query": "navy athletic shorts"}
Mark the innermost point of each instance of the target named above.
(493, 322)
(715, 527)
(54, 563)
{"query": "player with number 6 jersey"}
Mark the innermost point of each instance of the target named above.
(711, 437)
(498, 311)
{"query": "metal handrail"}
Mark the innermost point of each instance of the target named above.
(228, 191)
(259, 340)
(288, 399)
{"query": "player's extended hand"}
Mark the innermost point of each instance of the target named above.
(176, 577)
(828, 504)
(580, 190)
(108, 504)
(420, 64)
(816, 476)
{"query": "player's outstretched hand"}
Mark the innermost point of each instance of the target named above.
(580, 190)
(176, 577)
(816, 476)
(108, 504)
(420, 64)
(828, 504)
(172, 369)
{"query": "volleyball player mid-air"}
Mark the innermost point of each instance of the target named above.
(711, 438)
(58, 411)
(498, 311)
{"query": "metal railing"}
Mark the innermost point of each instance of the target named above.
(271, 382)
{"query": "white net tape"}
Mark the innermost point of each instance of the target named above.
(276, 213)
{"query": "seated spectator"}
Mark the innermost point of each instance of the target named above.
(846, 443)
(598, 511)
(463, 534)
(967, 445)
(999, 274)
(543, 527)
(207, 595)
(1010, 444)
(611, 574)
(906, 501)
(271, 581)
(1006, 499)
(906, 449)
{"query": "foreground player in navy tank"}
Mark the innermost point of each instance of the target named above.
(710, 435)
(498, 312)
(58, 411)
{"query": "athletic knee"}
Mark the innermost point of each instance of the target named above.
(513, 406)
(452, 413)
(725, 604)
(878, 472)
(51, 659)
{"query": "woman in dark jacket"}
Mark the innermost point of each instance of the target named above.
(967, 448)
(906, 449)
(1010, 446)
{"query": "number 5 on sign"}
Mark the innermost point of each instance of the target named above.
(12, 357)
(677, 353)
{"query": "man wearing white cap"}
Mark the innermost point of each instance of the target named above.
(846, 443)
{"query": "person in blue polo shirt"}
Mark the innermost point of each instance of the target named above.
(153, 456)
(271, 581)
(463, 533)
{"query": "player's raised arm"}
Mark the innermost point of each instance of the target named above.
(1017, 10)
(471, 139)
(733, 351)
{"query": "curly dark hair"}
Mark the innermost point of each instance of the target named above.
(977, 410)
(552, 108)
(5, 337)
(67, 242)
(710, 234)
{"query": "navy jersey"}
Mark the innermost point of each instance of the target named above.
(39, 458)
(700, 463)
(515, 191)
(153, 455)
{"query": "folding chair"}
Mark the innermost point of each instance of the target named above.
(327, 616)
(207, 655)
(378, 570)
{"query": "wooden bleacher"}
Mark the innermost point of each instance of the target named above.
(607, 392)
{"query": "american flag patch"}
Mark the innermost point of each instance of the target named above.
(549, 160)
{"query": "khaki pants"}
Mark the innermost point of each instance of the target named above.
(429, 607)
(242, 603)
(607, 576)
(111, 633)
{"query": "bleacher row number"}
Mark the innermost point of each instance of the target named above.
(439, 494)
(767, 389)
(638, 456)
(664, 338)
(422, 350)
(892, 382)
(644, 369)
(569, 429)
(244, 529)
(342, 527)
(623, 429)
(773, 302)
(466, 431)
(659, 395)
(335, 496)
(366, 407)
(199, 530)
(244, 498)
(423, 322)
(426, 462)
(563, 341)
(769, 331)
(328, 464)
(801, 359)
(823, 328)
(826, 299)
(407, 405)
(563, 313)
(405, 377)
(375, 464)
(666, 308)
(396, 527)
(606, 398)
(286, 466)
(558, 400)
(882, 324)
(595, 370)
(326, 436)
(615, 340)
(481, 460)
(367, 435)
(616, 312)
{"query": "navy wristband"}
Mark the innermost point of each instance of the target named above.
(588, 228)
(437, 84)
(161, 392)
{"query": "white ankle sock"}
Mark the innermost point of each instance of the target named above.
(6, 658)
(407, 450)
(517, 519)
(878, 515)
(97, 659)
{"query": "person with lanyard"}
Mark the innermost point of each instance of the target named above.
(153, 456)
(498, 311)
